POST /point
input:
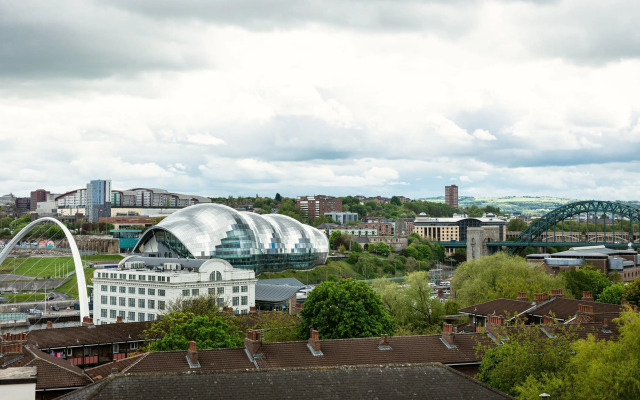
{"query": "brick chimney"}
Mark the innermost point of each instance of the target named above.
(252, 310)
(119, 319)
(447, 333)
(192, 355)
(87, 321)
(547, 320)
(49, 325)
(114, 367)
(384, 341)
(540, 297)
(557, 293)
(495, 325)
(314, 340)
(587, 296)
(522, 296)
(253, 342)
(585, 313)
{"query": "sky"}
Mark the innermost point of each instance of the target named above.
(370, 97)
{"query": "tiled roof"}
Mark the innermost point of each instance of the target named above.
(53, 372)
(176, 361)
(563, 308)
(365, 351)
(83, 335)
(506, 307)
(433, 381)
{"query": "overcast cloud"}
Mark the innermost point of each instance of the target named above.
(334, 97)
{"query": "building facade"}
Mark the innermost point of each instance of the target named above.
(36, 197)
(454, 229)
(315, 206)
(343, 217)
(141, 288)
(98, 199)
(451, 195)
(382, 225)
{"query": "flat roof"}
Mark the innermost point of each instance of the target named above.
(16, 375)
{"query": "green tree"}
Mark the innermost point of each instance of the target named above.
(332, 239)
(500, 276)
(612, 294)
(412, 304)
(586, 278)
(474, 211)
(207, 333)
(631, 292)
(395, 200)
(278, 197)
(356, 247)
(516, 225)
(527, 352)
(596, 369)
(345, 309)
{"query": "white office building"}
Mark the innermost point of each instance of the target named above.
(141, 288)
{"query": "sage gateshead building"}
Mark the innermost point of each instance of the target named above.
(262, 243)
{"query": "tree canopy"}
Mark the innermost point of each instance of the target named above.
(412, 304)
(345, 309)
(516, 225)
(586, 278)
(207, 333)
(500, 276)
(595, 369)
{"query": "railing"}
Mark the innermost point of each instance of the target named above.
(83, 360)
(119, 356)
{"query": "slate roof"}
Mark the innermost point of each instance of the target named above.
(275, 293)
(84, 335)
(281, 281)
(433, 381)
(499, 307)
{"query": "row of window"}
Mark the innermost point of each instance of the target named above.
(130, 316)
(133, 277)
(132, 290)
(122, 302)
(162, 292)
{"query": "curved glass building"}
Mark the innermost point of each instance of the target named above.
(246, 240)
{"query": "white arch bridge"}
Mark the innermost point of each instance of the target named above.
(82, 284)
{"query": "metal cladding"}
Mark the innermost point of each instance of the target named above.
(246, 240)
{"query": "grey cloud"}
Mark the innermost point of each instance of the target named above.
(85, 41)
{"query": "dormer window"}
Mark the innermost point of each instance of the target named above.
(215, 276)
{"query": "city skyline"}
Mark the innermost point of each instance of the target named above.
(337, 98)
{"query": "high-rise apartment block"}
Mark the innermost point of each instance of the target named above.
(98, 199)
(451, 195)
(36, 197)
(315, 206)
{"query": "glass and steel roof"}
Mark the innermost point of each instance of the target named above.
(246, 240)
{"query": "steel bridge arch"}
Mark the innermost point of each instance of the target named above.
(535, 231)
(82, 284)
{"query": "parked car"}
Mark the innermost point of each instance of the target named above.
(55, 308)
(35, 311)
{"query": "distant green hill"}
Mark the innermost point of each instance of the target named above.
(527, 205)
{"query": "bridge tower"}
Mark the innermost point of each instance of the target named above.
(477, 239)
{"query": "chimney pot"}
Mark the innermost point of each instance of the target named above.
(119, 319)
(49, 324)
(522, 296)
(587, 296)
(192, 346)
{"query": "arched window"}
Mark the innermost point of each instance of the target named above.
(215, 276)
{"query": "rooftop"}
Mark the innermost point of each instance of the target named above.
(434, 381)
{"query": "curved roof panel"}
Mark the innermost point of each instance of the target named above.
(271, 242)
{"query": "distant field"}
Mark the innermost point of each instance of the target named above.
(528, 205)
(48, 266)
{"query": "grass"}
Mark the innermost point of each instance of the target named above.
(47, 266)
(25, 297)
(71, 287)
